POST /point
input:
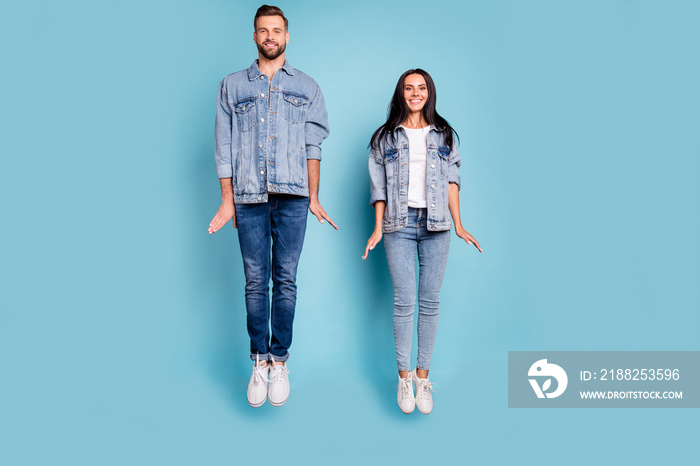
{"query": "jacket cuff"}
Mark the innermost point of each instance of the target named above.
(224, 171)
(313, 152)
(375, 197)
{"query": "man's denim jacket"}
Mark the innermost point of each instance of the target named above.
(388, 173)
(265, 132)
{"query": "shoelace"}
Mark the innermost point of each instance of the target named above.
(425, 386)
(405, 387)
(258, 376)
(277, 373)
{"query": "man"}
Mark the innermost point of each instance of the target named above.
(270, 122)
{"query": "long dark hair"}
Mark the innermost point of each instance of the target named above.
(398, 112)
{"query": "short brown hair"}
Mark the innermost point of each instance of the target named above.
(267, 10)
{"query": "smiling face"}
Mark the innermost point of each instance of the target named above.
(270, 36)
(415, 92)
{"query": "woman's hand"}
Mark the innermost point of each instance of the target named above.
(376, 237)
(464, 234)
(372, 242)
(453, 204)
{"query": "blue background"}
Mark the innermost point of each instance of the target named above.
(122, 326)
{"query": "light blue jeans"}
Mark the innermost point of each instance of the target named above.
(431, 247)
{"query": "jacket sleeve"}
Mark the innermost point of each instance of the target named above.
(222, 134)
(377, 177)
(316, 125)
(454, 162)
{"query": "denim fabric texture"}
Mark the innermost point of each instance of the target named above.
(431, 248)
(271, 236)
(389, 176)
(266, 130)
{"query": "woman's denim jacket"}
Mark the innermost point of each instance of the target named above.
(388, 173)
(266, 131)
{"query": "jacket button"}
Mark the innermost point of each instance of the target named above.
(260, 145)
(262, 120)
(262, 172)
(262, 95)
(432, 185)
(432, 205)
(432, 166)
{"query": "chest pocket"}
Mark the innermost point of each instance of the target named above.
(444, 160)
(245, 114)
(295, 108)
(391, 167)
(390, 155)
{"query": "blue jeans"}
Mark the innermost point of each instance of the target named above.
(271, 236)
(401, 247)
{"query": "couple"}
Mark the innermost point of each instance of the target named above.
(270, 122)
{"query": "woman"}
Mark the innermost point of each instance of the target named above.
(415, 188)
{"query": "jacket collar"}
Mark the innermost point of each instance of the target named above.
(254, 71)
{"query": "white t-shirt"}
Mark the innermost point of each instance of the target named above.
(418, 150)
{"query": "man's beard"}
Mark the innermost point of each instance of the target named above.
(271, 54)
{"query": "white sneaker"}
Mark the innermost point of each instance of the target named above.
(424, 399)
(257, 387)
(279, 384)
(405, 398)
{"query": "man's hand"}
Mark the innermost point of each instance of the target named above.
(316, 209)
(226, 212)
